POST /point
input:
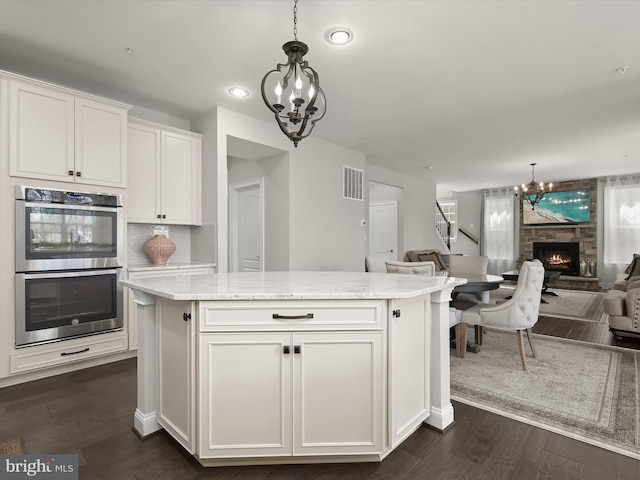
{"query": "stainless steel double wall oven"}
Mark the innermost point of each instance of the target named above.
(69, 257)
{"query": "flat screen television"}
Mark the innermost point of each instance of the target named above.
(568, 207)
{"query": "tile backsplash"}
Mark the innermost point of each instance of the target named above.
(193, 244)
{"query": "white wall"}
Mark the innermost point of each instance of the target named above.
(416, 210)
(469, 217)
(324, 231)
(275, 172)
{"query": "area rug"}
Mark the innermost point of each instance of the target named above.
(12, 447)
(571, 304)
(585, 391)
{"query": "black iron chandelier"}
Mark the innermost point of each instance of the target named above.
(297, 83)
(533, 192)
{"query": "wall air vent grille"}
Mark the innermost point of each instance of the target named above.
(352, 183)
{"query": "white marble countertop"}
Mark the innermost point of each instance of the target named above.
(144, 267)
(292, 286)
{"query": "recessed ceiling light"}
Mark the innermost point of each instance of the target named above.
(340, 36)
(239, 92)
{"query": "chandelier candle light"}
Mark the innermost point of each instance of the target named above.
(298, 83)
(533, 192)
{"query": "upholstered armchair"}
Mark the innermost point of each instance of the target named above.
(432, 255)
(520, 313)
(623, 309)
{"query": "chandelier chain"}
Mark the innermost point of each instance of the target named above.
(295, 19)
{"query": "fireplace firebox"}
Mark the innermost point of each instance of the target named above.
(563, 257)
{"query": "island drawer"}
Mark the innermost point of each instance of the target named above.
(291, 315)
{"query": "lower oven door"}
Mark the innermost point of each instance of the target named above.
(57, 305)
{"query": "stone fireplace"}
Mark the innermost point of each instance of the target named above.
(584, 235)
(563, 257)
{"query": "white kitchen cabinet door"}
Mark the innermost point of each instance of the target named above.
(338, 393)
(55, 135)
(176, 367)
(165, 170)
(41, 132)
(181, 177)
(245, 395)
(409, 365)
(100, 144)
(143, 159)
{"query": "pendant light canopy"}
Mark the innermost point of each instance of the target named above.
(298, 85)
(533, 192)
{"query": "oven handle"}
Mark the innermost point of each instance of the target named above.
(69, 206)
(64, 354)
(72, 273)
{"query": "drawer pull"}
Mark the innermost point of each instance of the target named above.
(64, 354)
(277, 316)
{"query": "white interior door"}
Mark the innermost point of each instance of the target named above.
(383, 230)
(247, 226)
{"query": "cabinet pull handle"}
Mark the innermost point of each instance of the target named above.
(71, 173)
(396, 313)
(64, 354)
(164, 216)
(286, 349)
(296, 349)
(186, 316)
(277, 316)
(159, 216)
(78, 174)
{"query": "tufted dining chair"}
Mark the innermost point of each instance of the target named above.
(461, 264)
(520, 313)
(429, 269)
(422, 268)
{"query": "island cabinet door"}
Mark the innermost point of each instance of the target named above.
(338, 393)
(409, 363)
(176, 379)
(245, 394)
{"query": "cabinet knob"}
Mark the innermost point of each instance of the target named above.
(296, 349)
(186, 316)
(164, 216)
(78, 174)
(286, 349)
(396, 313)
(71, 173)
(159, 216)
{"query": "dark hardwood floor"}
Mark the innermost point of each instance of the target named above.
(90, 413)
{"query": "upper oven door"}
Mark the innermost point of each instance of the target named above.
(62, 237)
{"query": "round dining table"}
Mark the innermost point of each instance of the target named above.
(476, 282)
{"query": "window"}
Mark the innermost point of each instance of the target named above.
(500, 224)
(449, 209)
(621, 220)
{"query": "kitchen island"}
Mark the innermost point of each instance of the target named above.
(292, 367)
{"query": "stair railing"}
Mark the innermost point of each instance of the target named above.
(443, 226)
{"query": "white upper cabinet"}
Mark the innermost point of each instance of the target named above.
(55, 134)
(164, 170)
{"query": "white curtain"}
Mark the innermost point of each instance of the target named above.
(621, 225)
(499, 224)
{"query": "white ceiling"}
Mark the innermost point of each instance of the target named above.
(475, 89)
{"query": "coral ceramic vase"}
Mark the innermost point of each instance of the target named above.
(158, 249)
